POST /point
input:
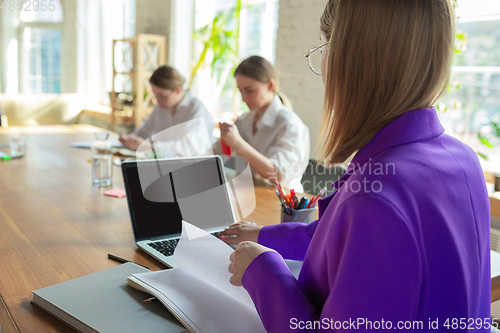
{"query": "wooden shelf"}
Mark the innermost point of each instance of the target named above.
(134, 61)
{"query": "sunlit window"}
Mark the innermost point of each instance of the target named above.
(475, 97)
(257, 36)
(473, 101)
(258, 26)
(41, 36)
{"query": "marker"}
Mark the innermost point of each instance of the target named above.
(4, 156)
(225, 148)
(302, 203)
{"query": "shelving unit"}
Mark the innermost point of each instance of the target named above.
(134, 60)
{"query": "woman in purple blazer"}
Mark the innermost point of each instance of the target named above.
(403, 244)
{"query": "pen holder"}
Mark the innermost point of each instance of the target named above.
(306, 215)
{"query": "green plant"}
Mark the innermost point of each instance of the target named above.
(222, 41)
(486, 141)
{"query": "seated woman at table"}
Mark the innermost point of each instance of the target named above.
(405, 238)
(179, 118)
(271, 137)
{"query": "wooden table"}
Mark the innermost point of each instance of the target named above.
(55, 226)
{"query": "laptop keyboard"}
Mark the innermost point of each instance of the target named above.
(167, 247)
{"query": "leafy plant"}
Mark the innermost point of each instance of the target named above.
(487, 142)
(222, 42)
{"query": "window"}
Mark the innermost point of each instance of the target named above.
(117, 22)
(475, 98)
(259, 25)
(41, 49)
(257, 36)
(43, 52)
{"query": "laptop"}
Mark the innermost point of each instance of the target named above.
(161, 193)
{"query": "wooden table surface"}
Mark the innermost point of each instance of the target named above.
(55, 226)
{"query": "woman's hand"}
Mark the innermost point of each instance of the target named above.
(239, 232)
(230, 134)
(131, 142)
(245, 253)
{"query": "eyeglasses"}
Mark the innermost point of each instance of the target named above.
(314, 59)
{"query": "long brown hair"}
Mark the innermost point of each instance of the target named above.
(260, 69)
(167, 77)
(384, 58)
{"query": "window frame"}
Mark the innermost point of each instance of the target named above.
(24, 54)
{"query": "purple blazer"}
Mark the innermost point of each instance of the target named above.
(403, 243)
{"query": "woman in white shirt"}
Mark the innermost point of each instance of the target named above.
(172, 120)
(271, 137)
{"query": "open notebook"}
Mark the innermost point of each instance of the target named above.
(199, 293)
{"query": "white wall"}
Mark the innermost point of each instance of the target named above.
(9, 51)
(175, 20)
(69, 73)
(154, 17)
(181, 36)
(298, 32)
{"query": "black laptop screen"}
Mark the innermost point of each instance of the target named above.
(162, 193)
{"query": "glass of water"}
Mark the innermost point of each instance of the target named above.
(102, 160)
(17, 146)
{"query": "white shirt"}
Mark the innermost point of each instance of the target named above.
(189, 109)
(282, 137)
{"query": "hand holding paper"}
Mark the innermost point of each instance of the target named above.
(199, 294)
(245, 253)
(208, 257)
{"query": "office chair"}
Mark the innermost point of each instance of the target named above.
(317, 176)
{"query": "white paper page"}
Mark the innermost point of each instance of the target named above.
(295, 266)
(211, 310)
(88, 144)
(208, 257)
(495, 263)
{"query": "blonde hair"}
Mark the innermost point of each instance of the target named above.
(260, 69)
(167, 77)
(384, 58)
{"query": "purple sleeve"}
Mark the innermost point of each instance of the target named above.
(275, 292)
(365, 262)
(290, 239)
